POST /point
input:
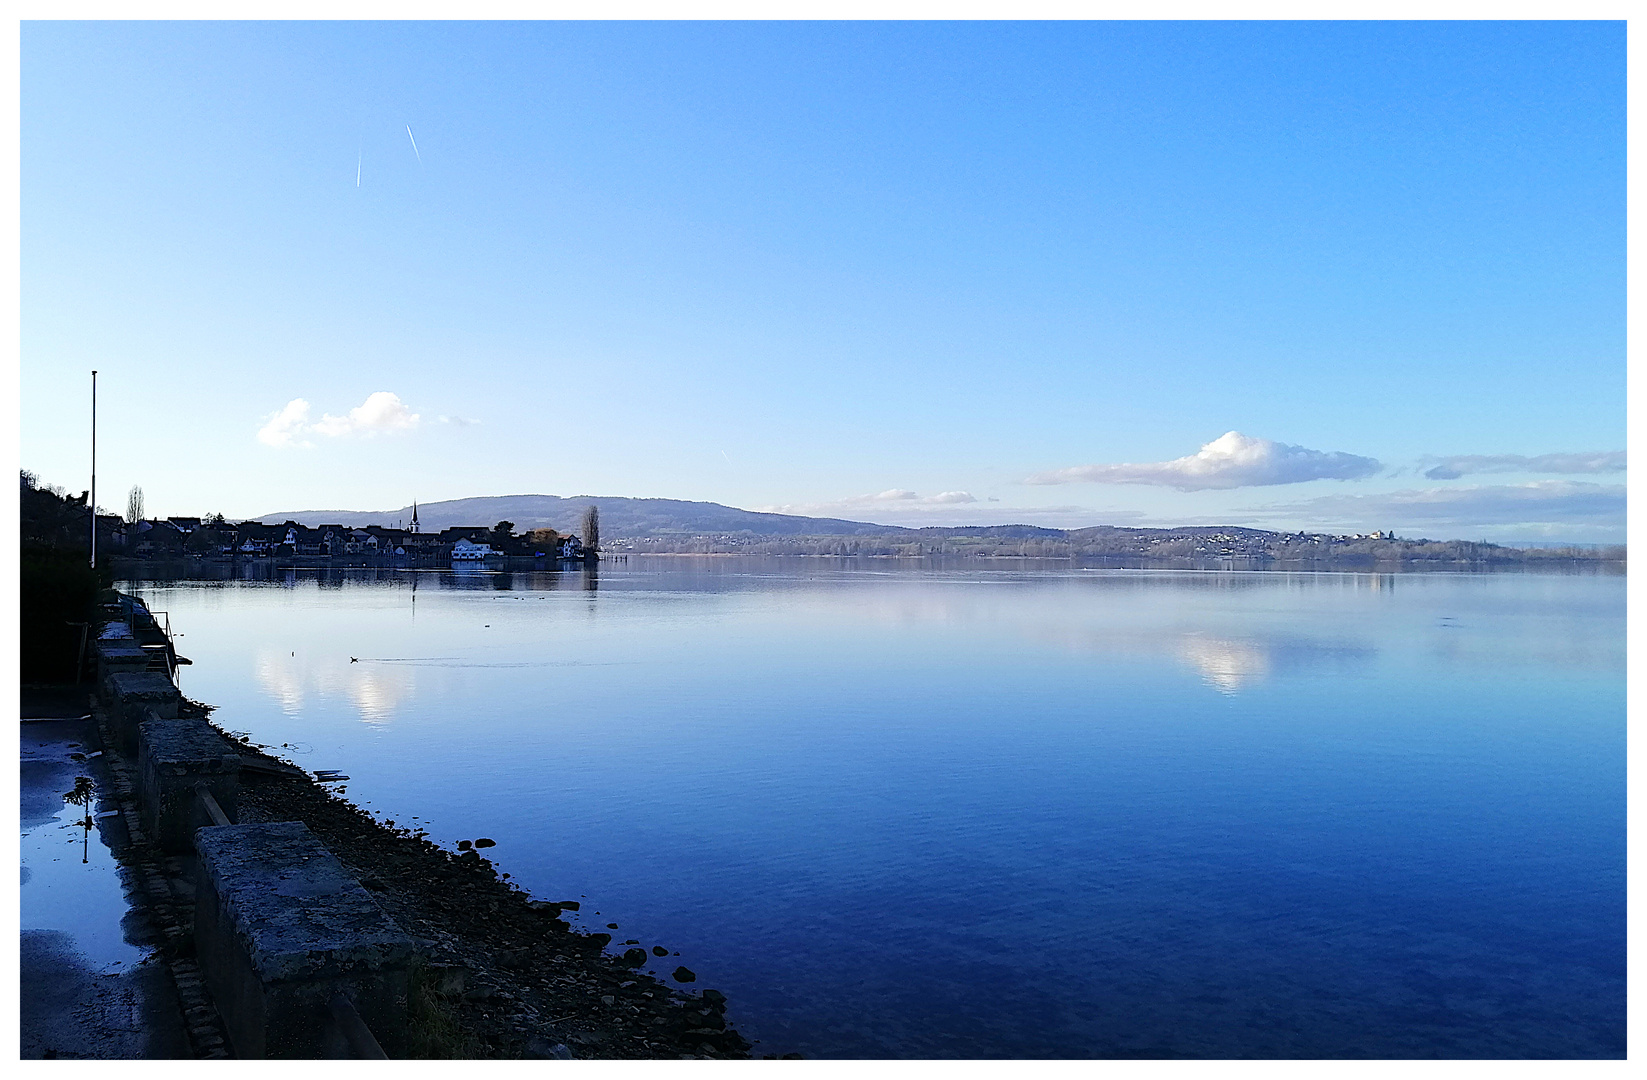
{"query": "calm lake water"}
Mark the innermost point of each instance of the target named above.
(903, 810)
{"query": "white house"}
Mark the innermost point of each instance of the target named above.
(465, 550)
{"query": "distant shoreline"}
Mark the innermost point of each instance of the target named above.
(128, 568)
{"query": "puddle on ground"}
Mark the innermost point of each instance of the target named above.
(71, 881)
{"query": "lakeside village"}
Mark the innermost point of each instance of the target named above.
(213, 539)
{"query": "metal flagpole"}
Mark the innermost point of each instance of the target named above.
(93, 506)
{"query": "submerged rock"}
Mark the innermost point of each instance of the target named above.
(449, 979)
(519, 981)
(659, 950)
(539, 1047)
(685, 974)
(485, 842)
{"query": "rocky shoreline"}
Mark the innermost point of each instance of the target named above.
(507, 977)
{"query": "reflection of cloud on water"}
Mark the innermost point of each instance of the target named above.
(378, 693)
(375, 691)
(280, 680)
(1226, 665)
(1118, 617)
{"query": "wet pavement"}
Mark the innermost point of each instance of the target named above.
(91, 982)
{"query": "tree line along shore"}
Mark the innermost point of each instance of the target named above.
(1143, 547)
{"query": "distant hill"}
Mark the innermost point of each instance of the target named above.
(674, 525)
(637, 518)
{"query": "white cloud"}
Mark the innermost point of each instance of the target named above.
(380, 412)
(1230, 461)
(1601, 461)
(286, 426)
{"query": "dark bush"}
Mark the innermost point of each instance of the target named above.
(56, 585)
(56, 589)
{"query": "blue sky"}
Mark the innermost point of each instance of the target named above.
(912, 273)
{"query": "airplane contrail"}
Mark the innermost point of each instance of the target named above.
(409, 135)
(358, 159)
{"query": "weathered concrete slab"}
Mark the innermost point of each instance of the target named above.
(281, 926)
(120, 655)
(132, 696)
(172, 757)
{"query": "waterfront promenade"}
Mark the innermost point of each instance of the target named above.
(93, 986)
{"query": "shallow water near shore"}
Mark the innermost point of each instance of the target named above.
(916, 810)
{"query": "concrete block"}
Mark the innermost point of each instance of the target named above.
(120, 655)
(281, 926)
(172, 757)
(132, 696)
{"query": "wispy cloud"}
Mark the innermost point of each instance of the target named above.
(1541, 502)
(457, 421)
(380, 413)
(900, 495)
(951, 509)
(1232, 460)
(895, 499)
(1601, 461)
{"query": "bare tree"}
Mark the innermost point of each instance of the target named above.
(591, 528)
(134, 505)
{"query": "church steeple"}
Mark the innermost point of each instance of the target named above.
(414, 515)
